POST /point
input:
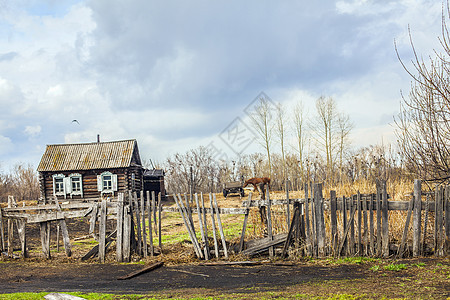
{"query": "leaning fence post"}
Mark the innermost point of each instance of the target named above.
(150, 230)
(333, 219)
(244, 226)
(127, 233)
(219, 222)
(385, 214)
(216, 244)
(307, 223)
(144, 230)
(417, 216)
(2, 233)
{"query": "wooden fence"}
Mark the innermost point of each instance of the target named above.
(357, 225)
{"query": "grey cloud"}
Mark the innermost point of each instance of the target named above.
(8, 56)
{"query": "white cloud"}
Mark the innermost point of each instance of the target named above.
(33, 131)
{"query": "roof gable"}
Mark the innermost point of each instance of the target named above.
(106, 155)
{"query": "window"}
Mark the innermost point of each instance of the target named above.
(75, 184)
(58, 185)
(107, 182)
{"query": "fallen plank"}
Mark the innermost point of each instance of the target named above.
(94, 251)
(233, 263)
(142, 271)
(264, 244)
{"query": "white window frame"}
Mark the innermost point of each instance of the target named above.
(64, 180)
(71, 182)
(100, 181)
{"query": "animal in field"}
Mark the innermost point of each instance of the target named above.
(255, 181)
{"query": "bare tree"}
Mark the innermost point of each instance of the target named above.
(281, 133)
(423, 127)
(344, 128)
(300, 132)
(263, 123)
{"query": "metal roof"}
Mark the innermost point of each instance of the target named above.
(154, 173)
(105, 155)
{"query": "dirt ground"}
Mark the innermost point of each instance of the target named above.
(425, 278)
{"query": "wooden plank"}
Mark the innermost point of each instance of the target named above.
(401, 249)
(65, 233)
(144, 230)
(292, 225)
(307, 223)
(102, 232)
(138, 223)
(344, 241)
(202, 232)
(425, 225)
(269, 221)
(119, 228)
(127, 233)
(159, 222)
(186, 221)
(351, 242)
(417, 217)
(244, 225)
(288, 211)
(447, 218)
(333, 220)
(142, 271)
(150, 230)
(153, 211)
(216, 244)
(320, 221)
(358, 207)
(95, 250)
(92, 221)
(21, 224)
(378, 200)
(2, 231)
(365, 225)
(371, 226)
(264, 244)
(45, 238)
(219, 223)
(346, 231)
(385, 226)
(439, 222)
(205, 228)
(222, 210)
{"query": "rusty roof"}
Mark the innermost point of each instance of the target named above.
(89, 156)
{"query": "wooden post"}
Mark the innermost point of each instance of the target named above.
(371, 226)
(102, 232)
(22, 237)
(344, 241)
(385, 215)
(159, 222)
(320, 219)
(200, 221)
(358, 207)
(365, 236)
(64, 231)
(292, 225)
(269, 221)
(138, 224)
(307, 228)
(144, 230)
(2, 232)
(45, 238)
(127, 233)
(92, 221)
(439, 222)
(10, 229)
(219, 222)
(351, 242)
(378, 219)
(205, 228)
(119, 228)
(447, 219)
(425, 225)
(150, 230)
(333, 219)
(244, 226)
(288, 211)
(403, 243)
(417, 216)
(187, 223)
(216, 244)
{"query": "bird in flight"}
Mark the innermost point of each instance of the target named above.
(76, 121)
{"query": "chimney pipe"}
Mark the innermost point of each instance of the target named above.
(98, 138)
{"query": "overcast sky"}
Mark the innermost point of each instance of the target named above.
(175, 74)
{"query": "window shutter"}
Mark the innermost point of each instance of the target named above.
(81, 186)
(114, 183)
(67, 185)
(54, 186)
(99, 183)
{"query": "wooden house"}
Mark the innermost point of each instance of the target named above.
(90, 171)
